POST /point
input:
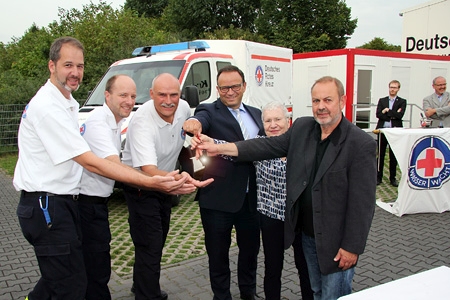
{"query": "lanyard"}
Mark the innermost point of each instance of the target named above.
(45, 211)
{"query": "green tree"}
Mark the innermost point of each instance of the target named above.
(233, 34)
(23, 66)
(380, 44)
(107, 34)
(111, 34)
(306, 25)
(149, 9)
(193, 19)
(302, 25)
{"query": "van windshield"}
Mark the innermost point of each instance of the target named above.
(142, 74)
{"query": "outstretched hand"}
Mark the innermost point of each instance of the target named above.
(192, 126)
(190, 184)
(200, 139)
(168, 183)
(203, 143)
(195, 182)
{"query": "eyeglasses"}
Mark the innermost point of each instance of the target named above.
(235, 88)
(439, 85)
(393, 87)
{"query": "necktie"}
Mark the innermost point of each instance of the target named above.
(241, 124)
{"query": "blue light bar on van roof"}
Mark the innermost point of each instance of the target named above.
(149, 50)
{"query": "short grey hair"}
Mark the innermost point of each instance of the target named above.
(274, 105)
(337, 82)
(439, 77)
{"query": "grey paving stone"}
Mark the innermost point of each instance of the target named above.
(397, 247)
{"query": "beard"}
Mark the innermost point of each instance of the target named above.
(62, 81)
(68, 88)
(330, 120)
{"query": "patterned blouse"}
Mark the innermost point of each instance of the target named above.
(271, 185)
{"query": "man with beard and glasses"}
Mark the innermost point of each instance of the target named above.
(154, 140)
(52, 154)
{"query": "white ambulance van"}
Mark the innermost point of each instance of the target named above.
(267, 69)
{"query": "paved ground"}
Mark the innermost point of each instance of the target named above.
(397, 247)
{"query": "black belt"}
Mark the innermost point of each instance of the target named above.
(46, 194)
(92, 199)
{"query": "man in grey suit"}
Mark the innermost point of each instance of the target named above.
(331, 183)
(437, 105)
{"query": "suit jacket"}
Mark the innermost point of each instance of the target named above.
(343, 191)
(227, 192)
(442, 114)
(392, 115)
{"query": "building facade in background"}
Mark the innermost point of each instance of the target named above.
(426, 28)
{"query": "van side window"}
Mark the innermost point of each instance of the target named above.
(200, 76)
(221, 64)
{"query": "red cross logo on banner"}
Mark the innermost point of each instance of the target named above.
(429, 163)
(259, 75)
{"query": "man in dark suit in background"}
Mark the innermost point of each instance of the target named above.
(231, 199)
(330, 188)
(390, 111)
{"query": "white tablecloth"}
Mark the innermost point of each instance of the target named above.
(423, 156)
(433, 284)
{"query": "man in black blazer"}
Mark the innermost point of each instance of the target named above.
(390, 111)
(231, 199)
(331, 171)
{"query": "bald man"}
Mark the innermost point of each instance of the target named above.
(154, 140)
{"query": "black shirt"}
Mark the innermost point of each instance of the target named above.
(305, 221)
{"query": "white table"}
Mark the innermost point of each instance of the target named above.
(423, 155)
(433, 284)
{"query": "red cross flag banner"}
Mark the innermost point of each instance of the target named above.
(423, 156)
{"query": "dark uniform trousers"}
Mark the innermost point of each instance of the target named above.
(57, 247)
(96, 245)
(149, 219)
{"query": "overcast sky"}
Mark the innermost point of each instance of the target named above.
(376, 18)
